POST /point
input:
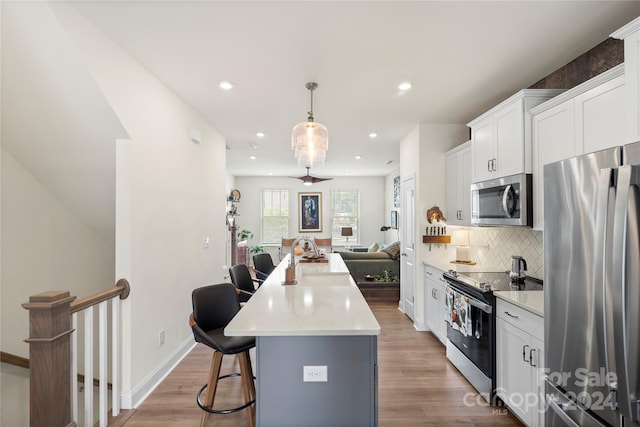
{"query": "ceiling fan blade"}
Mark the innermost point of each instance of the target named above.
(315, 179)
(310, 179)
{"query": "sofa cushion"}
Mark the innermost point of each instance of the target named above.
(361, 264)
(365, 256)
(393, 250)
(373, 247)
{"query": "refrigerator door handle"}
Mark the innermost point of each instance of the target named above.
(560, 408)
(603, 266)
(625, 340)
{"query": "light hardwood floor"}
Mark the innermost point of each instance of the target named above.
(417, 385)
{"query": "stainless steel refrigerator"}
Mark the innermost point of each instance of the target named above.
(592, 289)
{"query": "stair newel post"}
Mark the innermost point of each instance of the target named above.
(50, 358)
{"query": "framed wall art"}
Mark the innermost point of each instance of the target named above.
(309, 212)
(396, 192)
(394, 219)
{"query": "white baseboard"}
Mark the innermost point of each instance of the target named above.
(420, 326)
(134, 398)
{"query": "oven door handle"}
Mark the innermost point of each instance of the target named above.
(487, 308)
(482, 306)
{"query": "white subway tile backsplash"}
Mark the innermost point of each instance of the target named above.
(492, 247)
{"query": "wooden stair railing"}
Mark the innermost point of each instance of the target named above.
(50, 359)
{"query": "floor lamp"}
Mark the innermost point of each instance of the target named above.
(347, 232)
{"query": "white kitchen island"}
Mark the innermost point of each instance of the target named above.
(322, 321)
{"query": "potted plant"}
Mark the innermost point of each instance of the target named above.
(245, 235)
(257, 249)
(386, 276)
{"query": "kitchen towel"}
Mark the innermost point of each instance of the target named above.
(458, 313)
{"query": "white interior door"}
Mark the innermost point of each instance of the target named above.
(407, 266)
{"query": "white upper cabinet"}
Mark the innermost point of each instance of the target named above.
(600, 116)
(483, 152)
(458, 165)
(553, 140)
(630, 33)
(501, 137)
(590, 117)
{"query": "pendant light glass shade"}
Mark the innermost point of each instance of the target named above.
(310, 140)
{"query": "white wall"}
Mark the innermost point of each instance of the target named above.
(373, 213)
(59, 167)
(174, 199)
(422, 155)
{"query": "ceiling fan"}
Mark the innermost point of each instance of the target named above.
(308, 179)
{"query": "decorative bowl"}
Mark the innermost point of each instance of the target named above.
(369, 277)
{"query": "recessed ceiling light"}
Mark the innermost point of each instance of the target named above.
(358, 157)
(252, 157)
(226, 85)
(404, 86)
(260, 134)
(373, 135)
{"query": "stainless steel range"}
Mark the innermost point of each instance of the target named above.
(471, 330)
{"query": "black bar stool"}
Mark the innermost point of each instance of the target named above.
(213, 308)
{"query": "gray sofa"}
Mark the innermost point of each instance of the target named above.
(361, 264)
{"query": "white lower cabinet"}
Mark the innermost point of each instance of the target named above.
(519, 362)
(435, 302)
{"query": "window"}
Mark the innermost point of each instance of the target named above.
(345, 209)
(275, 215)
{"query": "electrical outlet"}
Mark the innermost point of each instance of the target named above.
(314, 374)
(206, 243)
(161, 337)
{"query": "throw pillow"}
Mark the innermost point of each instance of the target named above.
(381, 246)
(373, 248)
(393, 250)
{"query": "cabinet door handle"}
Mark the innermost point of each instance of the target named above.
(510, 315)
(531, 352)
(488, 165)
(493, 165)
(524, 353)
(435, 294)
(461, 217)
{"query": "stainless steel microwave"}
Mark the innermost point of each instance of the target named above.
(503, 201)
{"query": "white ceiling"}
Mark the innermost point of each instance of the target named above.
(461, 57)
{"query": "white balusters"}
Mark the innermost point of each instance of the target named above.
(102, 367)
(88, 366)
(74, 367)
(115, 356)
(103, 363)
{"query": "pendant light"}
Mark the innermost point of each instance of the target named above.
(310, 139)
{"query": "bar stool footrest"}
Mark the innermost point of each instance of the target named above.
(222, 411)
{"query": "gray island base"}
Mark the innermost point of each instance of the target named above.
(324, 325)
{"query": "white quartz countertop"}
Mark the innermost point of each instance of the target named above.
(325, 301)
(532, 301)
